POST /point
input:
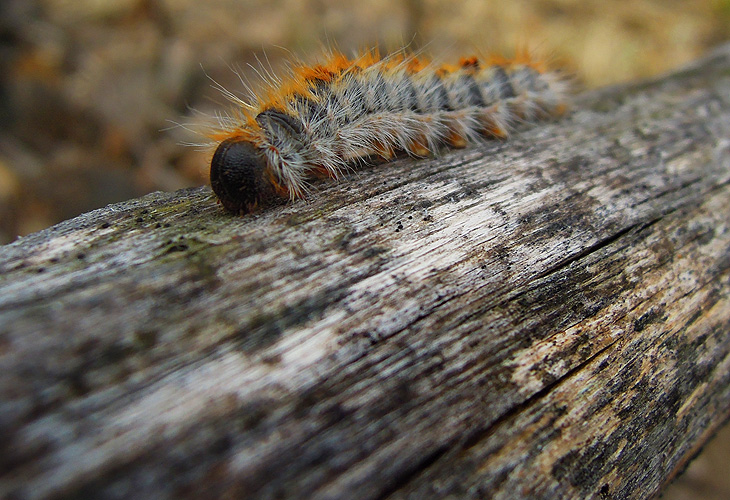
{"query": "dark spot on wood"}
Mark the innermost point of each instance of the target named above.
(371, 338)
(583, 468)
(705, 237)
(221, 444)
(251, 413)
(178, 247)
(345, 238)
(624, 380)
(605, 491)
(76, 380)
(695, 316)
(649, 317)
(602, 365)
(373, 251)
(114, 353)
(145, 339)
(262, 331)
(271, 358)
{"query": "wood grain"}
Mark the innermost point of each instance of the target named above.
(543, 317)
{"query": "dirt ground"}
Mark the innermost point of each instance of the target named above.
(93, 93)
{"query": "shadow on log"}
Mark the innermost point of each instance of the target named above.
(544, 317)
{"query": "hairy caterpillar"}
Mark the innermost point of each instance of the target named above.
(322, 118)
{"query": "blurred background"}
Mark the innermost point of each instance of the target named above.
(90, 90)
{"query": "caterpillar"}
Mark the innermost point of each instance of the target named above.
(321, 119)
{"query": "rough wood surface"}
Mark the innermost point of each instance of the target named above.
(544, 317)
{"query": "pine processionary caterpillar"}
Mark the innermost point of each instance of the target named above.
(322, 118)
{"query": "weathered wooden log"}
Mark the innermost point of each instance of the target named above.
(544, 317)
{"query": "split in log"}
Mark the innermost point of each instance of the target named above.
(545, 317)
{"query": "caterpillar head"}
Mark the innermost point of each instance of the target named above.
(238, 176)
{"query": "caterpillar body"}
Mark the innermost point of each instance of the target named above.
(323, 118)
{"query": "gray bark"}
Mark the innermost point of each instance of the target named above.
(542, 317)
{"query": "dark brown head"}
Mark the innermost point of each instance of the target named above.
(237, 176)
